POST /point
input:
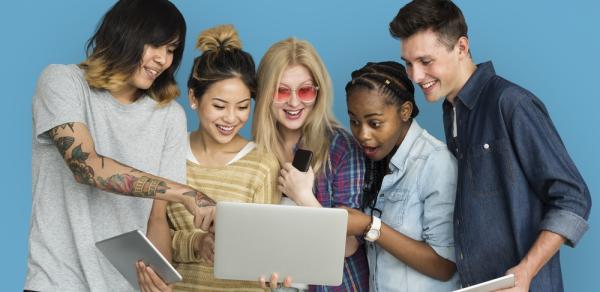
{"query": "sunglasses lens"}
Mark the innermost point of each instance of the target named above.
(283, 94)
(307, 93)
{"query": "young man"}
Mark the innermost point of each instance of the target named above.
(519, 195)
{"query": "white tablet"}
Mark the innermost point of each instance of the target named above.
(504, 282)
(254, 240)
(125, 250)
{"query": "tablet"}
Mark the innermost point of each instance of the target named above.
(504, 282)
(125, 250)
(253, 240)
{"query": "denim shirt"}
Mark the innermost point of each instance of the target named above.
(515, 179)
(417, 200)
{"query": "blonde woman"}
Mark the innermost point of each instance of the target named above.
(293, 110)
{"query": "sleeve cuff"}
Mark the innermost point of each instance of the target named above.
(183, 246)
(565, 223)
(446, 252)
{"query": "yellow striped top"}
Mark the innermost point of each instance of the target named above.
(251, 179)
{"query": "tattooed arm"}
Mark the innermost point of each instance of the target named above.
(76, 146)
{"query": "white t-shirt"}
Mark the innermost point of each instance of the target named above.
(67, 217)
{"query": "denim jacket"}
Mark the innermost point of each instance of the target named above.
(515, 179)
(417, 200)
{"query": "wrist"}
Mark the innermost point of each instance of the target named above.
(373, 231)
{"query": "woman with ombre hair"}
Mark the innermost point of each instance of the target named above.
(293, 110)
(108, 126)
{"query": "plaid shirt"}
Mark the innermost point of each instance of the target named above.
(340, 184)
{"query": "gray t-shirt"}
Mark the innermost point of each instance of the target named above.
(67, 217)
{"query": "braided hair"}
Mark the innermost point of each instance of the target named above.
(390, 80)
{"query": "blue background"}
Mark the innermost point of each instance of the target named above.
(549, 47)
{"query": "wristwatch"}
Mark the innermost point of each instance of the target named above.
(373, 231)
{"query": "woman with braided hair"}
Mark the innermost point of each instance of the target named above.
(410, 185)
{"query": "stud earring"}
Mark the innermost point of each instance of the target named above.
(193, 106)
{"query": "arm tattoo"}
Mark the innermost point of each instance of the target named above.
(63, 144)
(202, 200)
(54, 131)
(83, 172)
(119, 183)
(134, 186)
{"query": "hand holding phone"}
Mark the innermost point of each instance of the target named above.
(302, 159)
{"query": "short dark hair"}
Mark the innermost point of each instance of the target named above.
(222, 58)
(389, 78)
(441, 16)
(117, 46)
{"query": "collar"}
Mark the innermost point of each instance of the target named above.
(398, 161)
(471, 91)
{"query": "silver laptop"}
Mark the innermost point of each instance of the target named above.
(254, 240)
(125, 250)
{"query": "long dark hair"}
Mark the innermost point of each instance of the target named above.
(391, 80)
(116, 49)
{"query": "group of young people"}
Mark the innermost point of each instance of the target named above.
(500, 196)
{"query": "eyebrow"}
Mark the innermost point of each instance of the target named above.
(367, 115)
(417, 58)
(224, 101)
(301, 83)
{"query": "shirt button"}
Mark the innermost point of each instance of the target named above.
(457, 222)
(461, 256)
(486, 146)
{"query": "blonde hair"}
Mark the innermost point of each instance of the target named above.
(320, 123)
(98, 75)
(222, 37)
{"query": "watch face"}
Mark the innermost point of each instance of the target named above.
(372, 235)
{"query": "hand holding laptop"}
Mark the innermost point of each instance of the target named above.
(273, 282)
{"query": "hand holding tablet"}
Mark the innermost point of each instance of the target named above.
(504, 282)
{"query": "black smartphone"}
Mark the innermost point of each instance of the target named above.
(302, 159)
(301, 162)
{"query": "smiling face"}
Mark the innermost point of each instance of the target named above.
(439, 71)
(292, 114)
(223, 109)
(155, 60)
(377, 124)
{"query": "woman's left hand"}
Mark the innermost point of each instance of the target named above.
(148, 280)
(297, 185)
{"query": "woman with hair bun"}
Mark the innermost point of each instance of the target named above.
(220, 162)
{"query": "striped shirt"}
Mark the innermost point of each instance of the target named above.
(250, 179)
(340, 184)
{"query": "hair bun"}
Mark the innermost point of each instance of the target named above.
(222, 37)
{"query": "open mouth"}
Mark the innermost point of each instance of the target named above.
(370, 151)
(151, 73)
(428, 85)
(293, 114)
(225, 130)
